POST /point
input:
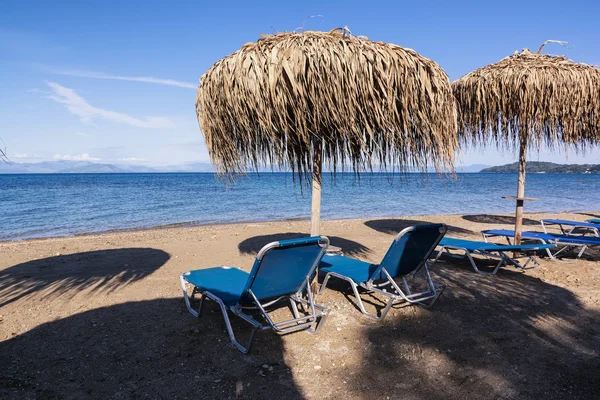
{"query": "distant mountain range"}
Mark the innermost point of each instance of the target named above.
(83, 167)
(75, 167)
(539, 167)
(471, 168)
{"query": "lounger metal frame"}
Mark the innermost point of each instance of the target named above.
(501, 256)
(571, 227)
(311, 321)
(424, 298)
(566, 246)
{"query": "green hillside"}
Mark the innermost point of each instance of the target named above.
(546, 167)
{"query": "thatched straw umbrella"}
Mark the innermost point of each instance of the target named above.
(295, 100)
(529, 98)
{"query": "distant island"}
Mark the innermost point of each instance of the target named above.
(538, 167)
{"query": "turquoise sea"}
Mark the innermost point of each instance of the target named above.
(47, 205)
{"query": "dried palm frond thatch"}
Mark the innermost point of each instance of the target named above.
(528, 99)
(367, 103)
(545, 98)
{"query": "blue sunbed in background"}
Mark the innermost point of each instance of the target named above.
(490, 250)
(408, 254)
(282, 270)
(571, 227)
(594, 221)
(568, 242)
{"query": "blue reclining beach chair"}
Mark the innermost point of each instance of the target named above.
(282, 270)
(571, 227)
(490, 250)
(594, 221)
(408, 254)
(567, 242)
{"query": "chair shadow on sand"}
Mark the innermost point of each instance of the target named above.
(508, 336)
(102, 270)
(498, 219)
(394, 226)
(145, 349)
(254, 244)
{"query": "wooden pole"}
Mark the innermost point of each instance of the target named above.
(317, 176)
(521, 187)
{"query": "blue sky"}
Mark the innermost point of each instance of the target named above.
(115, 81)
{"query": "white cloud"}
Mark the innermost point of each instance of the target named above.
(82, 134)
(77, 105)
(77, 157)
(38, 90)
(146, 79)
(25, 156)
(132, 159)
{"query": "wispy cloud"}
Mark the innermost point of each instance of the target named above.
(77, 105)
(82, 134)
(38, 90)
(20, 156)
(102, 75)
(132, 159)
(77, 157)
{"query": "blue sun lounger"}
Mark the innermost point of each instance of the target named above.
(570, 227)
(282, 270)
(567, 242)
(490, 250)
(594, 221)
(408, 254)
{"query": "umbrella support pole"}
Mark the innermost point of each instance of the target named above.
(521, 187)
(317, 173)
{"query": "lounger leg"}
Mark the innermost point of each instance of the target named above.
(468, 254)
(294, 308)
(187, 299)
(324, 284)
(439, 254)
(319, 321)
(243, 349)
(582, 251)
(439, 289)
(356, 294)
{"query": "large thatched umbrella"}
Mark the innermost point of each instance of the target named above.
(295, 100)
(528, 99)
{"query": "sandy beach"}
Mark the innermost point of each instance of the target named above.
(102, 316)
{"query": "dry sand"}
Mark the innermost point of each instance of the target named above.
(103, 317)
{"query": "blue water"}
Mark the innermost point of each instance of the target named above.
(47, 205)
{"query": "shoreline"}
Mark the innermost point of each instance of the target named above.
(191, 225)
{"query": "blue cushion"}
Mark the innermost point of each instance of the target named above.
(226, 283)
(358, 271)
(594, 221)
(472, 245)
(587, 224)
(548, 237)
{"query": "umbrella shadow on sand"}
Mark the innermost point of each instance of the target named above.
(508, 336)
(394, 226)
(592, 215)
(498, 219)
(102, 270)
(254, 244)
(146, 349)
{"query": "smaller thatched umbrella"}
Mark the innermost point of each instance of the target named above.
(529, 99)
(297, 100)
